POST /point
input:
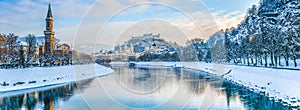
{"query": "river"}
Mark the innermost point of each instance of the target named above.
(142, 88)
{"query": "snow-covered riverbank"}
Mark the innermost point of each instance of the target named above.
(18, 79)
(277, 84)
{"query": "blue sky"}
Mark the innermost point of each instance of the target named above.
(230, 5)
(83, 20)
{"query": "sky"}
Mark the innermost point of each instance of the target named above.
(112, 22)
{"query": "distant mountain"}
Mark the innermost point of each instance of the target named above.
(92, 48)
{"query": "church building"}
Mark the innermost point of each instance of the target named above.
(45, 44)
(49, 33)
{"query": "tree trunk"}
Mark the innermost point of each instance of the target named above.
(279, 58)
(241, 61)
(261, 60)
(294, 58)
(286, 61)
(266, 59)
(276, 60)
(286, 57)
(295, 62)
(248, 62)
(256, 60)
(271, 56)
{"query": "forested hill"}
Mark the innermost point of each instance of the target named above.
(269, 33)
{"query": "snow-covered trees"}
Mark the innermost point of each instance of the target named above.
(9, 55)
(290, 22)
(31, 47)
(269, 34)
(195, 50)
(2, 39)
(27, 51)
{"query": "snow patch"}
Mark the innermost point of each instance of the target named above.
(18, 79)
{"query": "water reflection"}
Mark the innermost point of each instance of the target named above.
(130, 88)
(46, 99)
(251, 100)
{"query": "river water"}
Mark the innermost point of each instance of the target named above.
(138, 88)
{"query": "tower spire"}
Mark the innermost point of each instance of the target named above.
(49, 14)
(49, 33)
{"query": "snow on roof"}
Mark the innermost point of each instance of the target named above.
(58, 49)
(39, 40)
(22, 44)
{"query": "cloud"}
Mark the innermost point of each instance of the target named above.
(28, 16)
(229, 19)
(173, 23)
(82, 21)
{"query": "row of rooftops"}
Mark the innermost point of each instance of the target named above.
(40, 40)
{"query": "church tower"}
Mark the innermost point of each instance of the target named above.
(49, 32)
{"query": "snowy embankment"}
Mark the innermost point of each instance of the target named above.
(278, 84)
(19, 79)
